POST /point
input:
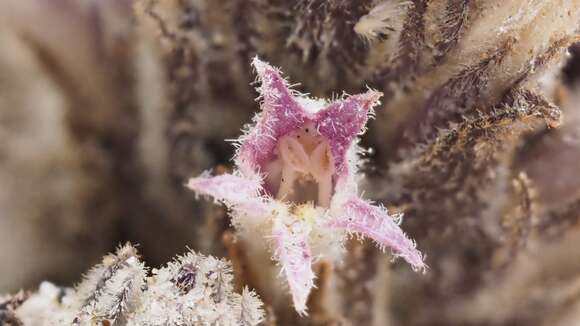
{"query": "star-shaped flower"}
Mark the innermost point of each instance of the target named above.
(296, 181)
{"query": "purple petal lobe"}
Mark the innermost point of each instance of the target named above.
(241, 193)
(293, 253)
(342, 121)
(280, 115)
(360, 217)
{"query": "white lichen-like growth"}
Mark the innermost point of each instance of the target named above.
(196, 290)
(192, 290)
(111, 289)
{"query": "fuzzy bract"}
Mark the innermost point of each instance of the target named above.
(296, 180)
(191, 290)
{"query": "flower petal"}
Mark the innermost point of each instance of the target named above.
(293, 253)
(360, 217)
(280, 115)
(341, 121)
(241, 193)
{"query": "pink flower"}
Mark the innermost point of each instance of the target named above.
(297, 177)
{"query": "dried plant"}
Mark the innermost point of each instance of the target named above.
(192, 290)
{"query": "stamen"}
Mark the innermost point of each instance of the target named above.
(325, 191)
(293, 154)
(322, 168)
(305, 157)
(286, 190)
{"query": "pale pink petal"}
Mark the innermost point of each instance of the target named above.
(360, 217)
(295, 257)
(342, 121)
(280, 115)
(240, 193)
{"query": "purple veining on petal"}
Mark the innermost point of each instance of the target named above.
(341, 122)
(293, 253)
(241, 193)
(280, 115)
(360, 217)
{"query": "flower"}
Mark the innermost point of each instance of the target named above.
(296, 181)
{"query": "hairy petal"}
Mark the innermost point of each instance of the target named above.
(342, 121)
(293, 253)
(360, 217)
(280, 115)
(237, 192)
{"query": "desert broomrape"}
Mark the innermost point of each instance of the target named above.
(296, 181)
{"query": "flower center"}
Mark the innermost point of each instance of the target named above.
(304, 168)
